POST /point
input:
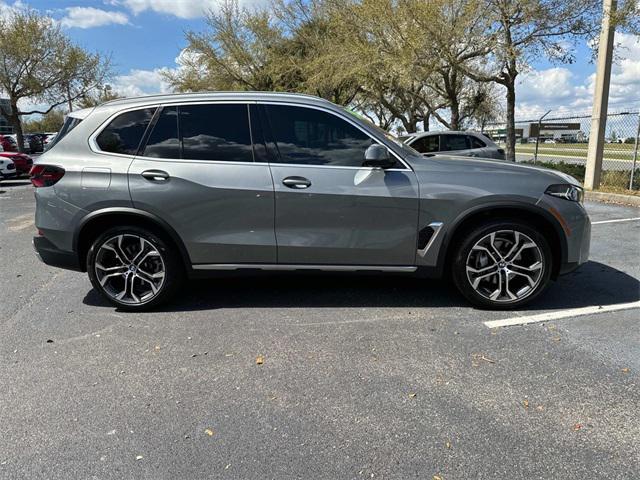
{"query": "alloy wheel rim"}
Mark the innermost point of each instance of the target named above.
(130, 269)
(505, 266)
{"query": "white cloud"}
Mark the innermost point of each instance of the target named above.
(89, 17)
(179, 8)
(559, 90)
(140, 82)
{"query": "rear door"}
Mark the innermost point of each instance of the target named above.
(330, 210)
(198, 172)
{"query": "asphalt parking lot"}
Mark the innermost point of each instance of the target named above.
(318, 376)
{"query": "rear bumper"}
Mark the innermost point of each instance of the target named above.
(52, 255)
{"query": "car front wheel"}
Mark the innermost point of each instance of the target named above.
(502, 264)
(134, 268)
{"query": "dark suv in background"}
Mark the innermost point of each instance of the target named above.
(144, 192)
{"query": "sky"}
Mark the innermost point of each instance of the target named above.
(145, 36)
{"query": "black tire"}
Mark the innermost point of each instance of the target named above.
(174, 274)
(479, 296)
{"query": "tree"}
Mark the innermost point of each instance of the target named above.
(503, 36)
(51, 122)
(96, 97)
(38, 62)
(233, 54)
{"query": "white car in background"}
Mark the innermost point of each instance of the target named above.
(7, 169)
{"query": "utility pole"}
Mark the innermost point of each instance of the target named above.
(600, 98)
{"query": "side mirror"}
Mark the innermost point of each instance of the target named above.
(378, 156)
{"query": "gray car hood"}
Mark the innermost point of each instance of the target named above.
(453, 163)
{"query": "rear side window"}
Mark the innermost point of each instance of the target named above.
(124, 133)
(454, 142)
(313, 137)
(69, 124)
(216, 132)
(426, 144)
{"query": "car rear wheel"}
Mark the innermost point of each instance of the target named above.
(502, 265)
(134, 268)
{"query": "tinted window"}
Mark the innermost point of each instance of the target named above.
(426, 144)
(216, 132)
(477, 143)
(124, 133)
(314, 137)
(163, 141)
(453, 142)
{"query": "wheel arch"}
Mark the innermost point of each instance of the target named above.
(98, 221)
(538, 217)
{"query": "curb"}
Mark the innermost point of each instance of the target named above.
(613, 198)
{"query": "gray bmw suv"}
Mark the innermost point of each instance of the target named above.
(143, 193)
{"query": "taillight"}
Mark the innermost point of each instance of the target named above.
(45, 175)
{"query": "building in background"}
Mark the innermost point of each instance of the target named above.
(556, 131)
(5, 128)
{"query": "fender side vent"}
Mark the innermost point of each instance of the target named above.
(424, 236)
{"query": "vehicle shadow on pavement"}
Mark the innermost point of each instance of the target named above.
(593, 284)
(13, 183)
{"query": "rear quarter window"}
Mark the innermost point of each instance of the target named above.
(124, 133)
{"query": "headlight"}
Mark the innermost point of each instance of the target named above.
(568, 192)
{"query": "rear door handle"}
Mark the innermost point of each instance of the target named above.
(156, 175)
(296, 182)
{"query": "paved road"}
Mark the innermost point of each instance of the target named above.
(363, 376)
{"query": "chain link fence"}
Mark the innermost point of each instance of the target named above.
(562, 142)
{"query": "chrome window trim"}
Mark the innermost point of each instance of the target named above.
(343, 117)
(93, 146)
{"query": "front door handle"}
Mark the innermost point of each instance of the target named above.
(296, 182)
(156, 175)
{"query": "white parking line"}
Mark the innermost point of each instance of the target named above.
(616, 221)
(556, 315)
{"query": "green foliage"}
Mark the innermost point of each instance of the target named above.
(38, 61)
(51, 122)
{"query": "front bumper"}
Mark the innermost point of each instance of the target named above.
(52, 255)
(6, 176)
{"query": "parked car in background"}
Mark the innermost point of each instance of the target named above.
(22, 161)
(8, 144)
(468, 144)
(7, 169)
(142, 192)
(32, 142)
(49, 139)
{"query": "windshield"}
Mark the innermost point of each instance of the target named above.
(406, 148)
(69, 124)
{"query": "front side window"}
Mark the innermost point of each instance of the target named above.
(124, 133)
(216, 132)
(426, 144)
(454, 142)
(477, 143)
(313, 137)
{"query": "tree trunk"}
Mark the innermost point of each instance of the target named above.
(455, 114)
(511, 119)
(425, 122)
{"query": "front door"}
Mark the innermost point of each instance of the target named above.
(197, 172)
(330, 210)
